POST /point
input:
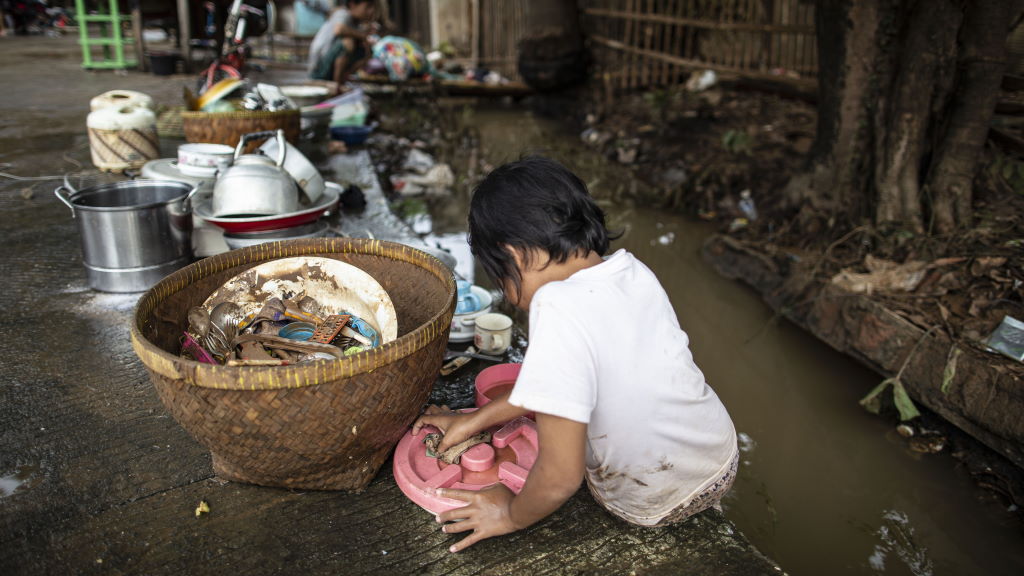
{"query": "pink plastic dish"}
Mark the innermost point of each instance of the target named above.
(508, 459)
(494, 381)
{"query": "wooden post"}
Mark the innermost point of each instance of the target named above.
(474, 32)
(185, 33)
(140, 49)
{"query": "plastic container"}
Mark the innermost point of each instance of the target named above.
(163, 63)
(122, 137)
(121, 98)
(494, 381)
(352, 135)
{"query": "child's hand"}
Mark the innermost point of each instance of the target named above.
(487, 514)
(455, 425)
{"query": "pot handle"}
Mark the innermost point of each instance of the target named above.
(281, 144)
(186, 202)
(67, 201)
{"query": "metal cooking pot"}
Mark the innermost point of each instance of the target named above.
(133, 232)
(255, 185)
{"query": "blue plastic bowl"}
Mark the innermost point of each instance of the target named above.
(352, 135)
(297, 331)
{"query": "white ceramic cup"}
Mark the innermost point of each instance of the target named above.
(493, 333)
(200, 155)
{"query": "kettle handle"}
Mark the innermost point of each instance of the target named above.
(282, 147)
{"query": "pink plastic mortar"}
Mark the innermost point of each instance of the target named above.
(508, 458)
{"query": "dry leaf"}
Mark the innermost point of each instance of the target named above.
(884, 276)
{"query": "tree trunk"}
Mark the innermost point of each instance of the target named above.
(981, 64)
(922, 37)
(846, 49)
(906, 91)
(551, 54)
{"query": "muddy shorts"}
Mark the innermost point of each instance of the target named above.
(709, 497)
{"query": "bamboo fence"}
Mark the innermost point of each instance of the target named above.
(648, 43)
(483, 33)
(502, 24)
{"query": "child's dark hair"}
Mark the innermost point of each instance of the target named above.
(533, 203)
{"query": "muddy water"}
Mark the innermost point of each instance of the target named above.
(824, 487)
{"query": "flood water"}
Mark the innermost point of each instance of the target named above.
(824, 487)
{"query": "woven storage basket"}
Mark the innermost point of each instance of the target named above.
(228, 127)
(326, 425)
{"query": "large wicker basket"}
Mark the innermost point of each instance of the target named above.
(228, 127)
(325, 425)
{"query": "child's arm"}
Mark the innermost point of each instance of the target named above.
(555, 477)
(349, 32)
(459, 426)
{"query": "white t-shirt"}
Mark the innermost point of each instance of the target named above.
(606, 350)
(325, 36)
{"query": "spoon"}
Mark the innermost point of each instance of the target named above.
(225, 317)
(205, 332)
(198, 322)
(453, 354)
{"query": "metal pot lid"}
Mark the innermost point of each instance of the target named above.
(167, 169)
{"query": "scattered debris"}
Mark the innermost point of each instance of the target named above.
(931, 444)
(882, 276)
(435, 182)
(747, 206)
(1008, 338)
(701, 81)
(202, 508)
(666, 239)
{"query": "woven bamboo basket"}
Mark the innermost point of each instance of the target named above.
(228, 127)
(325, 425)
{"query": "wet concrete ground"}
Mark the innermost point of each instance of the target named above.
(95, 477)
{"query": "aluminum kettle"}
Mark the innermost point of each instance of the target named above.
(255, 185)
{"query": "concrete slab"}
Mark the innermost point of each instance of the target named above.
(95, 477)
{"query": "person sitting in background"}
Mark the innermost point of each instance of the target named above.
(343, 42)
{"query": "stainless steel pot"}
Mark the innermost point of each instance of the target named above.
(133, 233)
(255, 185)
